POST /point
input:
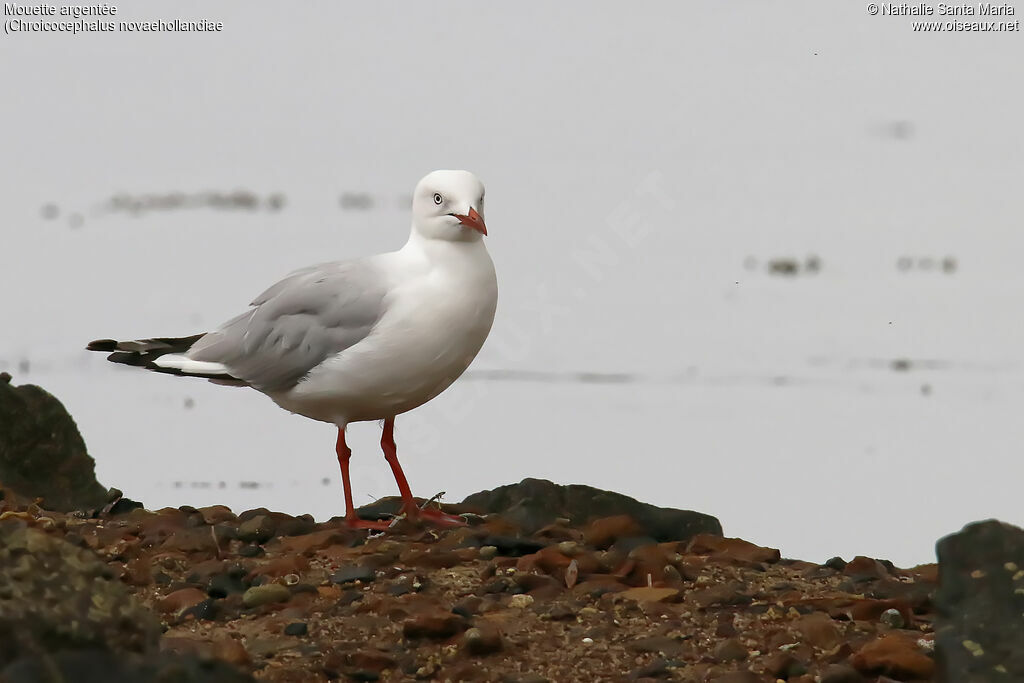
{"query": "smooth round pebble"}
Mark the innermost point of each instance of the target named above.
(521, 601)
(265, 594)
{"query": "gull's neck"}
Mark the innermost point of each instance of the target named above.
(442, 250)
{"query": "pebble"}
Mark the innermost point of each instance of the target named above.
(603, 532)
(569, 548)
(215, 514)
(818, 630)
(251, 550)
(521, 601)
(893, 654)
(180, 600)
(205, 610)
(223, 585)
(730, 650)
(296, 628)
(352, 573)
(731, 593)
(484, 639)
(488, 552)
(265, 594)
(258, 529)
(436, 625)
(837, 563)
(892, 618)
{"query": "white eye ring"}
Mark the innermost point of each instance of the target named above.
(438, 198)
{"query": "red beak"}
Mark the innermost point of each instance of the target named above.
(473, 220)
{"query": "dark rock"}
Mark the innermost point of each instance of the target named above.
(251, 550)
(223, 585)
(535, 503)
(57, 596)
(659, 668)
(42, 453)
(979, 603)
(837, 563)
(397, 589)
(436, 625)
(731, 593)
(205, 610)
(467, 607)
(484, 639)
(512, 546)
(730, 650)
(352, 573)
(784, 665)
(296, 526)
(296, 628)
(258, 529)
(122, 506)
(103, 666)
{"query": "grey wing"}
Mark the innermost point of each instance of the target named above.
(296, 324)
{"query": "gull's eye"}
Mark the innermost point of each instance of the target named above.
(438, 198)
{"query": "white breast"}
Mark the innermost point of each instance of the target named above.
(440, 308)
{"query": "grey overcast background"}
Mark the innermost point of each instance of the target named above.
(644, 164)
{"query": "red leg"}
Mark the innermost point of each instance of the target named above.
(344, 454)
(409, 507)
(387, 444)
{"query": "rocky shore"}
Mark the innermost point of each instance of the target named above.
(545, 583)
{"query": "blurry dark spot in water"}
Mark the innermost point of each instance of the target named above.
(898, 130)
(356, 201)
(210, 199)
(75, 220)
(926, 389)
(326, 481)
(189, 403)
(49, 211)
(901, 364)
(901, 130)
(783, 266)
(812, 264)
(24, 365)
(947, 264)
(275, 202)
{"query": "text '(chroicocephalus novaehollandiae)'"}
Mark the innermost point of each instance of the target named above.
(366, 339)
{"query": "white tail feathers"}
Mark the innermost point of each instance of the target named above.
(187, 366)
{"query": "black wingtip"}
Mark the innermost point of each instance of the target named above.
(102, 345)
